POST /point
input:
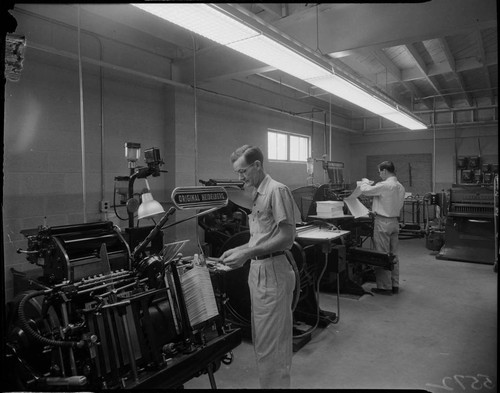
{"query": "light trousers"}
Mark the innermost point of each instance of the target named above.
(271, 282)
(385, 239)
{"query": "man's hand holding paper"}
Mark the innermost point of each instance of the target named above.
(356, 208)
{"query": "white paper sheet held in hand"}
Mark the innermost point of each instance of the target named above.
(356, 208)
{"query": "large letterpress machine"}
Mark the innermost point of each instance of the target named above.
(104, 315)
(470, 232)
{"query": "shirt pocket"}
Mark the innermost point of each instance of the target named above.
(265, 221)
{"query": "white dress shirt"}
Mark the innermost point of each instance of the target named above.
(388, 196)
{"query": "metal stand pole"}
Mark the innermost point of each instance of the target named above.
(210, 371)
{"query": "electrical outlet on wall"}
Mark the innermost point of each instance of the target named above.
(105, 206)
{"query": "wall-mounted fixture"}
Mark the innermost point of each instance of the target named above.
(236, 28)
(149, 206)
(472, 170)
(124, 185)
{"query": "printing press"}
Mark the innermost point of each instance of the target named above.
(470, 225)
(105, 316)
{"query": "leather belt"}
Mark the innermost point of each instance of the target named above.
(380, 215)
(273, 254)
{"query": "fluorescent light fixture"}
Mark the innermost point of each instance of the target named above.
(217, 24)
(202, 19)
(339, 86)
(277, 55)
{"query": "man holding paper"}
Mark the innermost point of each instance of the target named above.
(388, 199)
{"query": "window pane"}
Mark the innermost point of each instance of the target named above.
(299, 148)
(271, 145)
(304, 149)
(282, 146)
(278, 142)
(294, 148)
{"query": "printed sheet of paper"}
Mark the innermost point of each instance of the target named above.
(356, 208)
(357, 192)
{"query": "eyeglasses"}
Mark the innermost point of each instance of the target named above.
(244, 170)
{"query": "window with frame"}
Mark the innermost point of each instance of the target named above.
(285, 146)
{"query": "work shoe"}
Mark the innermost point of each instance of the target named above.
(395, 290)
(386, 292)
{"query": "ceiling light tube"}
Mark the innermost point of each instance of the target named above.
(342, 88)
(201, 19)
(217, 23)
(275, 54)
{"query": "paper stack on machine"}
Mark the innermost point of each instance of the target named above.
(199, 295)
(330, 208)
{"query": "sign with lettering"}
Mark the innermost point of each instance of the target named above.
(199, 197)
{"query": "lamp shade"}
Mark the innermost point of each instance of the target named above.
(149, 207)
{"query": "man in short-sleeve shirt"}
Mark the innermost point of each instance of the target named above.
(388, 199)
(271, 278)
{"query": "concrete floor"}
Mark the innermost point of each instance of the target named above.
(439, 334)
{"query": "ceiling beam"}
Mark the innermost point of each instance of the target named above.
(480, 47)
(461, 65)
(451, 61)
(481, 58)
(396, 72)
(447, 54)
(423, 69)
(384, 25)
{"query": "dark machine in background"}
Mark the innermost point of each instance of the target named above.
(471, 230)
(473, 170)
(470, 225)
(435, 211)
(114, 310)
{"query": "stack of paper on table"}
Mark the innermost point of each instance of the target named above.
(330, 208)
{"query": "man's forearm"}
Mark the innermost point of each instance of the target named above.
(242, 247)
